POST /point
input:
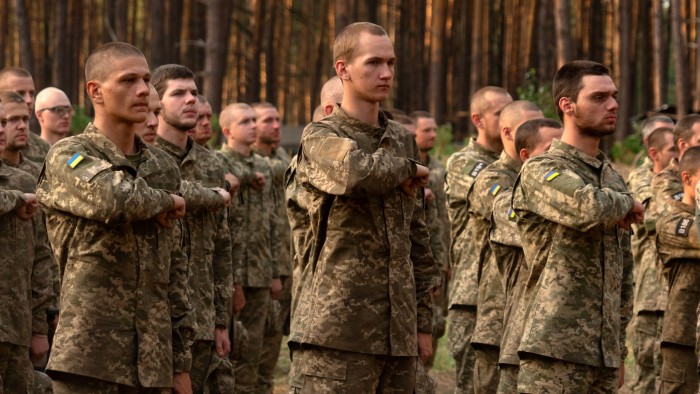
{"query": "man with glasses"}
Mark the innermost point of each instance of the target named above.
(54, 113)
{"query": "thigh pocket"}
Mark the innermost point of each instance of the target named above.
(324, 371)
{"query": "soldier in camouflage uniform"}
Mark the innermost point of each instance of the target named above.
(54, 113)
(148, 130)
(112, 217)
(26, 289)
(201, 133)
(267, 121)
(649, 289)
(679, 249)
(486, 339)
(573, 214)
(21, 82)
(209, 247)
(364, 313)
(14, 200)
(666, 185)
(462, 169)
(257, 267)
(533, 138)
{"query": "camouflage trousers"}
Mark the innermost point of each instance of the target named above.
(65, 383)
(324, 370)
(679, 370)
(459, 336)
(508, 379)
(253, 315)
(486, 369)
(209, 371)
(647, 365)
(272, 341)
(16, 372)
(543, 375)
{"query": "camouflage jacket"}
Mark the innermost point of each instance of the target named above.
(11, 199)
(679, 250)
(462, 169)
(491, 297)
(648, 282)
(513, 273)
(209, 246)
(278, 162)
(255, 213)
(36, 148)
(368, 286)
(124, 290)
(25, 268)
(667, 187)
(568, 205)
(439, 221)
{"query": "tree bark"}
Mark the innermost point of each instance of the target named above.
(26, 57)
(437, 59)
(680, 58)
(562, 23)
(218, 21)
(624, 72)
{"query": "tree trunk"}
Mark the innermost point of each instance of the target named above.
(562, 23)
(437, 59)
(624, 72)
(26, 57)
(218, 22)
(680, 58)
(158, 50)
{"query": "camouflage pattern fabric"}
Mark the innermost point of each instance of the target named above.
(459, 336)
(667, 187)
(11, 199)
(16, 372)
(542, 375)
(124, 291)
(36, 148)
(679, 371)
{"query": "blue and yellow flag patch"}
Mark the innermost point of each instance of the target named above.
(75, 160)
(551, 175)
(511, 214)
(494, 189)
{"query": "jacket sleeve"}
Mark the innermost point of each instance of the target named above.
(43, 276)
(200, 197)
(10, 199)
(223, 269)
(627, 292)
(181, 313)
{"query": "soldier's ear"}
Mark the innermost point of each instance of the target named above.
(686, 178)
(341, 68)
(94, 91)
(566, 105)
(478, 123)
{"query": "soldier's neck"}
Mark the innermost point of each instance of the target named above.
(11, 156)
(172, 135)
(363, 111)
(583, 142)
(122, 134)
(688, 196)
(263, 148)
(239, 147)
(486, 143)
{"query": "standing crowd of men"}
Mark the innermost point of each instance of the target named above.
(146, 262)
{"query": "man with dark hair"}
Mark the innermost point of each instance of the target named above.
(209, 246)
(17, 133)
(201, 133)
(21, 82)
(679, 251)
(462, 168)
(112, 214)
(573, 213)
(364, 312)
(532, 138)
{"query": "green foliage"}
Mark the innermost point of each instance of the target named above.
(538, 94)
(443, 143)
(80, 120)
(627, 150)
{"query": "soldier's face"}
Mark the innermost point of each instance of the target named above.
(426, 133)
(492, 114)
(202, 132)
(17, 125)
(371, 74)
(3, 123)
(49, 117)
(668, 152)
(24, 86)
(243, 128)
(267, 122)
(148, 129)
(179, 104)
(595, 110)
(124, 92)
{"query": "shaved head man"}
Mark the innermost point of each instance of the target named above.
(331, 94)
(54, 113)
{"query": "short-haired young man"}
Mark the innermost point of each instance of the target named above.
(112, 215)
(148, 129)
(364, 313)
(573, 213)
(54, 113)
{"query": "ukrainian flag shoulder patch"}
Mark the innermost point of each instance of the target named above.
(494, 189)
(511, 214)
(551, 175)
(75, 160)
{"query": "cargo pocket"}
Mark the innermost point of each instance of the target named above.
(323, 371)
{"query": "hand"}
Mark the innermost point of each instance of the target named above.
(621, 370)
(238, 299)
(429, 195)
(182, 383)
(226, 196)
(38, 347)
(223, 343)
(635, 215)
(176, 212)
(276, 289)
(233, 182)
(259, 182)
(419, 179)
(29, 208)
(425, 346)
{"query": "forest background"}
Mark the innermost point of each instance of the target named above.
(281, 50)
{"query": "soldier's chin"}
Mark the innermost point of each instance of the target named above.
(597, 132)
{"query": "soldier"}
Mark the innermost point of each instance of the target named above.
(364, 313)
(267, 123)
(331, 94)
(148, 130)
(679, 250)
(21, 82)
(666, 185)
(649, 286)
(25, 291)
(17, 133)
(532, 138)
(201, 134)
(257, 266)
(112, 215)
(209, 247)
(573, 214)
(462, 169)
(54, 114)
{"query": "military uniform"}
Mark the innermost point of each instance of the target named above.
(679, 250)
(25, 288)
(462, 169)
(667, 187)
(366, 291)
(36, 148)
(255, 213)
(10, 200)
(568, 205)
(648, 284)
(124, 290)
(209, 254)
